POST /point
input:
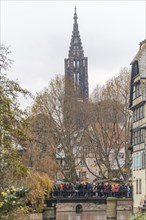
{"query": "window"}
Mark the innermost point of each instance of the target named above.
(142, 135)
(135, 137)
(141, 112)
(59, 150)
(135, 69)
(138, 114)
(82, 162)
(133, 92)
(140, 160)
(66, 165)
(135, 157)
(143, 160)
(136, 186)
(82, 175)
(121, 155)
(137, 90)
(134, 115)
(139, 186)
(138, 137)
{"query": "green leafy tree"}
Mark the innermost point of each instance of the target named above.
(12, 123)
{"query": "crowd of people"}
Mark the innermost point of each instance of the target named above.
(87, 189)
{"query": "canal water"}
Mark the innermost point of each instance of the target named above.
(99, 215)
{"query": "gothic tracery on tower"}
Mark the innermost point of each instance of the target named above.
(76, 65)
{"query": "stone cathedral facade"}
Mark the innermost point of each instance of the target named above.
(76, 65)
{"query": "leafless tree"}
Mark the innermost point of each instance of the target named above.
(66, 120)
(109, 130)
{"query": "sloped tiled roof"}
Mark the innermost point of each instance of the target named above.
(141, 49)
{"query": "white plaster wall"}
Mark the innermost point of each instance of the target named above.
(139, 198)
(92, 167)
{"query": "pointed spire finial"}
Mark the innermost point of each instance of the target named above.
(75, 9)
(75, 15)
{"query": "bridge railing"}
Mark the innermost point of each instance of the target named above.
(90, 193)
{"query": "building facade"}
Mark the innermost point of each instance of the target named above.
(81, 164)
(76, 65)
(138, 131)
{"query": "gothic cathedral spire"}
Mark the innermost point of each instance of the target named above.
(76, 65)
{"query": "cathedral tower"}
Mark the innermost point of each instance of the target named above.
(76, 65)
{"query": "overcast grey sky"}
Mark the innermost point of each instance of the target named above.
(39, 34)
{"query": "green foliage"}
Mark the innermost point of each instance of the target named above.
(39, 185)
(139, 216)
(12, 124)
(12, 200)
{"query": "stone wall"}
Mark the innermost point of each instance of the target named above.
(117, 204)
(36, 216)
(71, 207)
(122, 204)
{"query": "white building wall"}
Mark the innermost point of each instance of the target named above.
(139, 191)
(92, 166)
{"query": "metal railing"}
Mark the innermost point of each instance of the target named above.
(124, 193)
